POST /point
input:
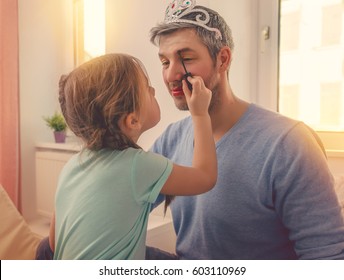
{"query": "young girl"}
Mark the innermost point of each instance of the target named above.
(105, 192)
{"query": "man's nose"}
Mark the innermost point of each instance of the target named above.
(174, 72)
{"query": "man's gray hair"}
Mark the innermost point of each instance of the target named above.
(209, 39)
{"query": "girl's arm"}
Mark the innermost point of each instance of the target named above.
(202, 176)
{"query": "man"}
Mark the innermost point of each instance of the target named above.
(274, 197)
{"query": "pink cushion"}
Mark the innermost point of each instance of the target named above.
(17, 241)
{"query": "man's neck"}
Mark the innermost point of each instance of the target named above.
(226, 113)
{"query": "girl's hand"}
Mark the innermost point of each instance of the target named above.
(199, 100)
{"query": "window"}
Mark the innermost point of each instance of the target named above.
(332, 24)
(310, 64)
(89, 30)
(289, 100)
(290, 28)
(330, 112)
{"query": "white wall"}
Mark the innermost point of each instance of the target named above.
(242, 18)
(46, 52)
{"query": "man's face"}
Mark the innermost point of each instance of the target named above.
(196, 58)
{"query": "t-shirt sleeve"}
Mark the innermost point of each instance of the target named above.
(149, 173)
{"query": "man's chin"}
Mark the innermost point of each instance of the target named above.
(180, 102)
(182, 106)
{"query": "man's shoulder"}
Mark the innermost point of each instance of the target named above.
(262, 118)
(187, 121)
(173, 135)
(275, 126)
(178, 127)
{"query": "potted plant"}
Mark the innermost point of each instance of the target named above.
(58, 124)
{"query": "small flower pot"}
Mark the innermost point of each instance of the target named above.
(60, 136)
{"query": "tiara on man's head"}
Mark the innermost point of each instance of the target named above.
(179, 8)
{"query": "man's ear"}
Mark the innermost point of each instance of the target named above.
(224, 58)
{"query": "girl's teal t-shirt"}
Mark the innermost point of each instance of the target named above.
(103, 201)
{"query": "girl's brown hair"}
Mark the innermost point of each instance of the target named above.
(97, 94)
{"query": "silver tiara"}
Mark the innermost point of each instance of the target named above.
(179, 8)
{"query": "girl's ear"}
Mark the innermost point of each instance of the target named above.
(224, 58)
(132, 121)
(131, 126)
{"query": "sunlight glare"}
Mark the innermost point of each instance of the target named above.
(94, 27)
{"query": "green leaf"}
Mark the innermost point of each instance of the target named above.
(56, 122)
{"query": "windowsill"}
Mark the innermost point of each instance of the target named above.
(335, 153)
(333, 142)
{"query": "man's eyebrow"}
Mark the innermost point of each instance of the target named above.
(185, 50)
(161, 55)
